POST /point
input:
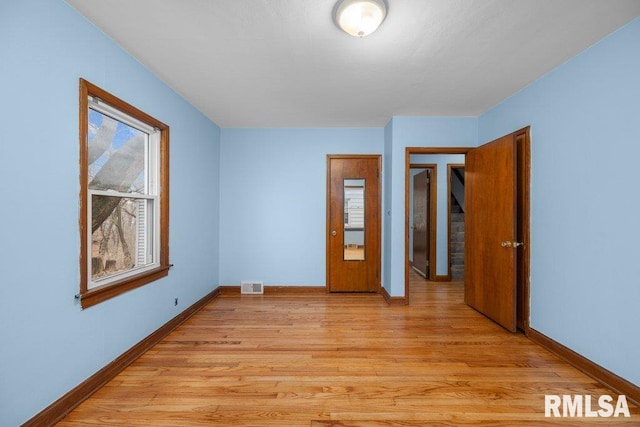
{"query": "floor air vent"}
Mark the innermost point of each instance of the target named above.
(251, 288)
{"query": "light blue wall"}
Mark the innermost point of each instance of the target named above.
(442, 225)
(415, 132)
(259, 196)
(584, 117)
(48, 344)
(273, 198)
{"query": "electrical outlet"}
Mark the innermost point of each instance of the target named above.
(175, 301)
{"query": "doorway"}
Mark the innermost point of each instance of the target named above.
(353, 223)
(439, 249)
(416, 153)
(485, 290)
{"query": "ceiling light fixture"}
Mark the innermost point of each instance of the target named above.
(359, 17)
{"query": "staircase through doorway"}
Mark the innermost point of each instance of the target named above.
(457, 241)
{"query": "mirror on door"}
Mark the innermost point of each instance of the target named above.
(354, 219)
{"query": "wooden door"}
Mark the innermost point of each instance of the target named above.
(421, 223)
(353, 223)
(490, 230)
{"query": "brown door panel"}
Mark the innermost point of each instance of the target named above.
(353, 230)
(490, 230)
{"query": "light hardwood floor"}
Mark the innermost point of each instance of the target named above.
(341, 360)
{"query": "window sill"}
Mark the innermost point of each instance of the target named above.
(105, 292)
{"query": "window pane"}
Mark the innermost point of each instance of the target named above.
(354, 220)
(116, 155)
(122, 241)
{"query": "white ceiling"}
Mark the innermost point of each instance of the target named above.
(284, 63)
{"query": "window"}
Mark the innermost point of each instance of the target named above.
(124, 200)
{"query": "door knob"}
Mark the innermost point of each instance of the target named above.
(334, 233)
(516, 244)
(506, 244)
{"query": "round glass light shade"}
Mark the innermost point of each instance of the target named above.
(360, 17)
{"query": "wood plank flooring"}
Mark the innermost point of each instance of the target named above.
(341, 360)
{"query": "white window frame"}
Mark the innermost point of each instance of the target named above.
(152, 167)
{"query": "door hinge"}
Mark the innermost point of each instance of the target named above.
(377, 173)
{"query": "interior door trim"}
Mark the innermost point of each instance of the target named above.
(524, 219)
